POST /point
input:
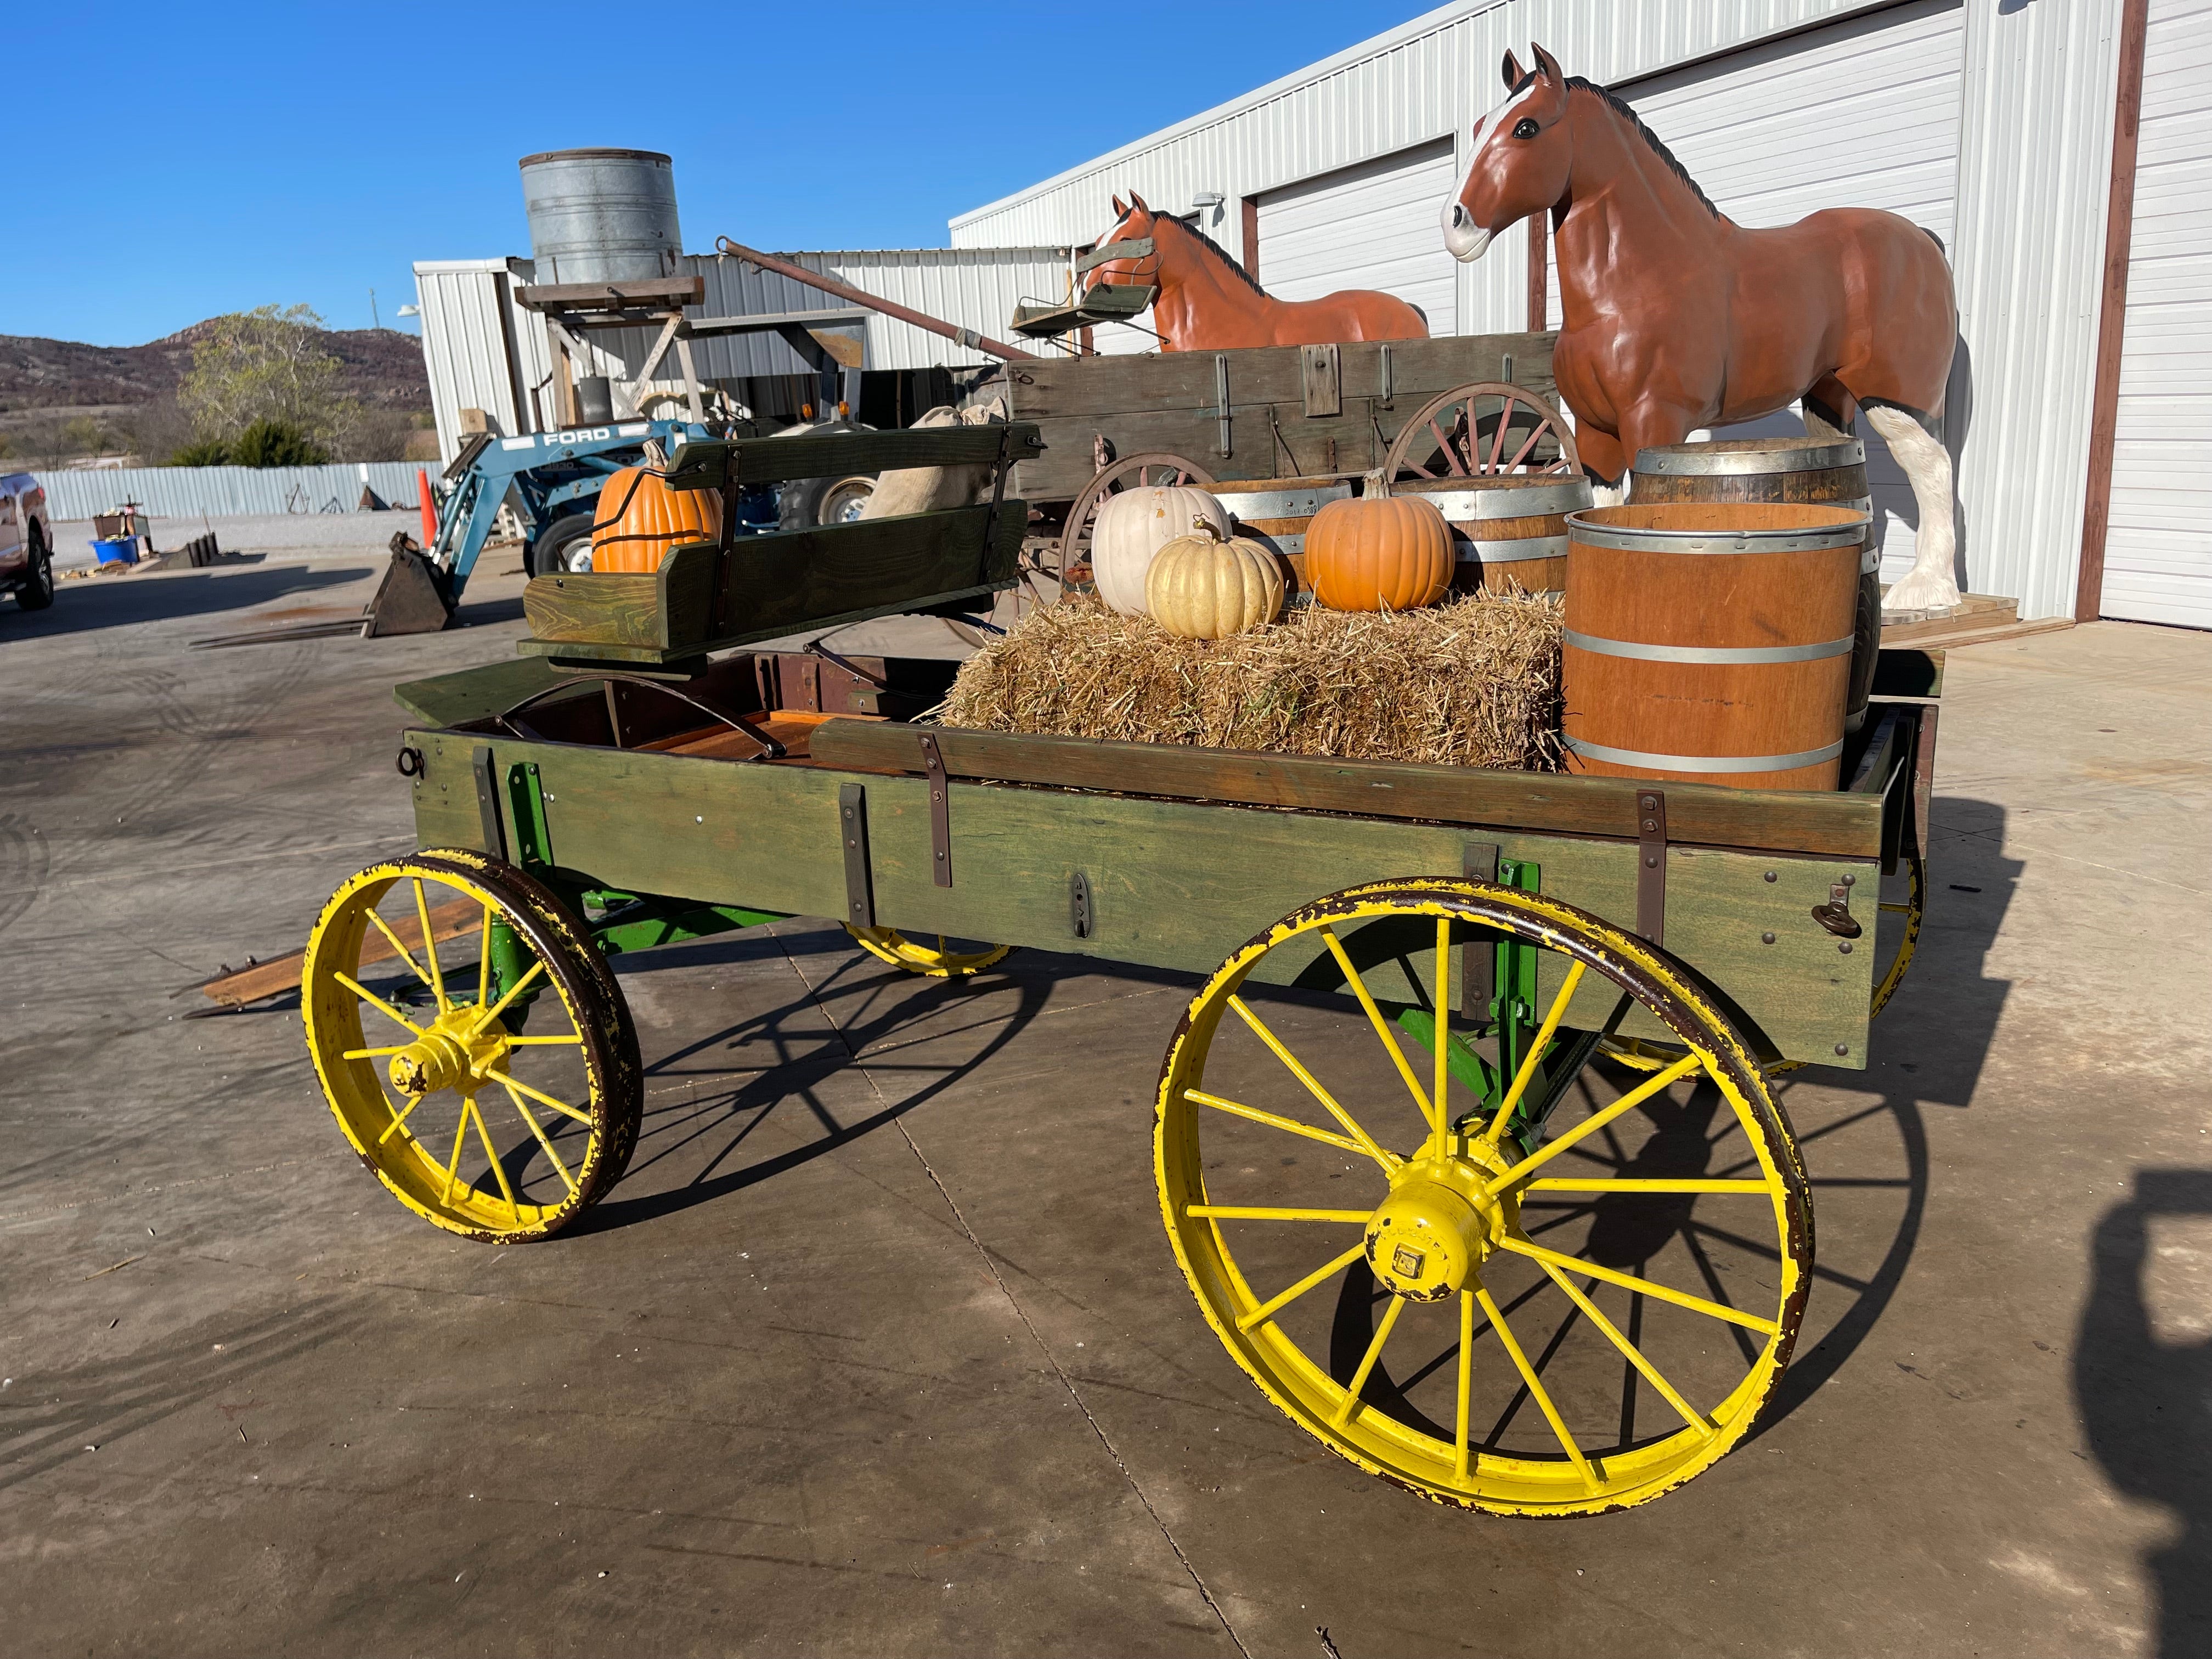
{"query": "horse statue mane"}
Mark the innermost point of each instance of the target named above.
(1676, 318)
(1207, 301)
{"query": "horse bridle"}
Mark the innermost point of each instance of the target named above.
(1140, 248)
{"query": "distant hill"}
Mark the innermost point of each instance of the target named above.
(383, 369)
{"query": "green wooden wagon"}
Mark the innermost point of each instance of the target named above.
(1465, 1141)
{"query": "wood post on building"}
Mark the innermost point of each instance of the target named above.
(2112, 317)
(1252, 237)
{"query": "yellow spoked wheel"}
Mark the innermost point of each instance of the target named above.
(1644, 1056)
(420, 977)
(942, 962)
(1533, 1294)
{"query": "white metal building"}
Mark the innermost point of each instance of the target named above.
(1991, 122)
(486, 351)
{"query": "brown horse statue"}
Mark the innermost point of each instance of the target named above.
(1208, 302)
(1677, 318)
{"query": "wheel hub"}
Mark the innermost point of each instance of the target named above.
(1439, 1226)
(452, 1054)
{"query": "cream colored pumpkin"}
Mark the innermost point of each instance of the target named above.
(1134, 526)
(1204, 586)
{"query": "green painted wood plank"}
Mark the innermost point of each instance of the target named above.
(717, 463)
(473, 693)
(1806, 821)
(1174, 884)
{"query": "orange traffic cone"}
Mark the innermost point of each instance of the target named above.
(429, 506)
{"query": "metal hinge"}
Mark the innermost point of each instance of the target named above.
(1078, 893)
(853, 831)
(1651, 865)
(940, 816)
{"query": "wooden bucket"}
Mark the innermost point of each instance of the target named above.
(1275, 511)
(1710, 642)
(1827, 472)
(1506, 530)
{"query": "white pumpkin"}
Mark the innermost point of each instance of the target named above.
(1134, 526)
(1205, 586)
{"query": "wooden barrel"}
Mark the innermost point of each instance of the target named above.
(1710, 642)
(1828, 471)
(1275, 511)
(1506, 530)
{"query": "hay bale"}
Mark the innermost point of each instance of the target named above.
(1473, 683)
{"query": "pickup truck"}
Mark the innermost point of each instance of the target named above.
(26, 542)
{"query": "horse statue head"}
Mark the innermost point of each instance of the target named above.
(1523, 157)
(1675, 318)
(1207, 300)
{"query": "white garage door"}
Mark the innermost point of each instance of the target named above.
(1370, 226)
(1862, 113)
(2158, 547)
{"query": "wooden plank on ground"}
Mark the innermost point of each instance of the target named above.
(279, 973)
(1835, 824)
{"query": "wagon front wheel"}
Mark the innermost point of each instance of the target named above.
(1455, 1251)
(472, 1044)
(939, 961)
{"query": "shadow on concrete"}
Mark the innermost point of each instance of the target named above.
(2146, 1404)
(124, 602)
(799, 1056)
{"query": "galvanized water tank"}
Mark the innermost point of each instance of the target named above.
(601, 216)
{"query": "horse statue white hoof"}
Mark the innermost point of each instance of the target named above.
(1922, 590)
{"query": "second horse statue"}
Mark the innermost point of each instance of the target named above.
(1678, 319)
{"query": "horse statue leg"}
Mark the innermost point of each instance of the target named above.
(1930, 585)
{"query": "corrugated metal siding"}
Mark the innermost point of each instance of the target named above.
(187, 491)
(1372, 225)
(463, 346)
(2158, 552)
(2035, 122)
(2034, 167)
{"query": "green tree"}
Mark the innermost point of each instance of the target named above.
(275, 443)
(267, 364)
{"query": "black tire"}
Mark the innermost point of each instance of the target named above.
(37, 591)
(804, 502)
(566, 547)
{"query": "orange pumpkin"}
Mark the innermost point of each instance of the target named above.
(1378, 553)
(640, 517)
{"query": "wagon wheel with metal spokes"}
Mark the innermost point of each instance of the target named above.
(1558, 1289)
(1488, 429)
(477, 1125)
(1131, 472)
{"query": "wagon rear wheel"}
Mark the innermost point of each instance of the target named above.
(1532, 1286)
(1488, 429)
(419, 980)
(1136, 472)
(943, 960)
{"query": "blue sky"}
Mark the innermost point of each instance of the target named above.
(169, 161)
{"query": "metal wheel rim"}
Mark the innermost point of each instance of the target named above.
(1306, 1391)
(940, 961)
(1074, 538)
(379, 1121)
(1497, 462)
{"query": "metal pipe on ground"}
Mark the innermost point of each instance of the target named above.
(797, 273)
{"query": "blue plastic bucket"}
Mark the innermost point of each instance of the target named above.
(124, 551)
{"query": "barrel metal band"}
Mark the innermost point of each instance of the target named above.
(1592, 533)
(1697, 460)
(1523, 501)
(1710, 653)
(1703, 762)
(1291, 546)
(1515, 550)
(1279, 503)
